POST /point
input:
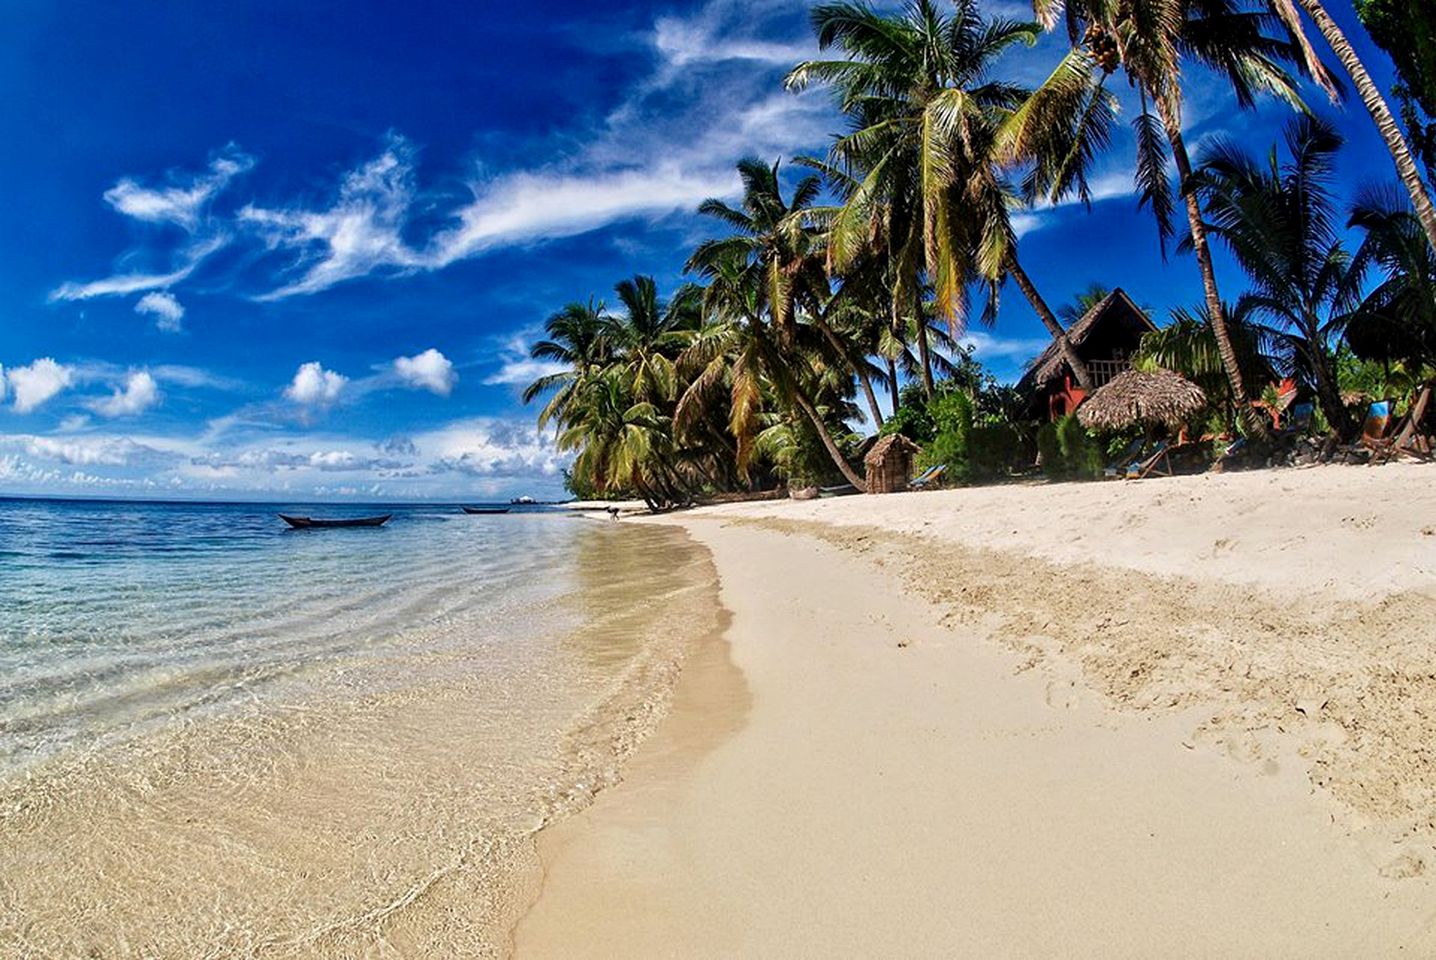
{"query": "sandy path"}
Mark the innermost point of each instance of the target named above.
(867, 777)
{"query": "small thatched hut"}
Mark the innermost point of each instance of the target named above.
(889, 463)
(1160, 398)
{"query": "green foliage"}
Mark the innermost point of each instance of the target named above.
(1407, 31)
(1068, 451)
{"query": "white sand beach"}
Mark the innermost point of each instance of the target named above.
(1186, 717)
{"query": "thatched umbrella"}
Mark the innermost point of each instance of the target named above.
(1146, 398)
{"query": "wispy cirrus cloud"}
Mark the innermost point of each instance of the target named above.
(668, 144)
(360, 233)
(186, 259)
(182, 198)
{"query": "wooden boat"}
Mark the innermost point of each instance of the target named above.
(312, 523)
(486, 509)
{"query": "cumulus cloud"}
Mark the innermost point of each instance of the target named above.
(313, 386)
(430, 370)
(38, 382)
(183, 198)
(489, 447)
(162, 305)
(138, 394)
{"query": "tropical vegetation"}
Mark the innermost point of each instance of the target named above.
(836, 289)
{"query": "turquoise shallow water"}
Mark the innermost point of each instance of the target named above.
(118, 615)
(220, 737)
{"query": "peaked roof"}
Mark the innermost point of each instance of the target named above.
(1048, 363)
(880, 449)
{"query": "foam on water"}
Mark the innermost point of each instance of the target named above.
(218, 738)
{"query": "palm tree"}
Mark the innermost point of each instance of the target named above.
(1278, 219)
(1082, 303)
(778, 237)
(1396, 322)
(648, 337)
(1150, 40)
(918, 170)
(579, 338)
(1187, 346)
(622, 444)
(1370, 94)
(741, 349)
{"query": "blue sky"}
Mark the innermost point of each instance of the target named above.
(300, 250)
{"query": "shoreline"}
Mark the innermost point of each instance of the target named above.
(916, 774)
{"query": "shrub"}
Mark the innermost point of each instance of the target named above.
(1068, 451)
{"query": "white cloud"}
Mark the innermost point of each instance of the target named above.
(989, 347)
(430, 370)
(183, 199)
(37, 383)
(162, 305)
(86, 451)
(125, 283)
(314, 386)
(139, 393)
(517, 368)
(487, 446)
(360, 233)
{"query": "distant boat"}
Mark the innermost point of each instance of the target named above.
(523, 499)
(486, 509)
(307, 523)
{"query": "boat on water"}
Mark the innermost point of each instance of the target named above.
(486, 509)
(314, 523)
(523, 500)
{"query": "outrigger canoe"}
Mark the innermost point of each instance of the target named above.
(307, 523)
(486, 509)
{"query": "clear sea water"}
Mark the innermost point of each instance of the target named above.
(222, 737)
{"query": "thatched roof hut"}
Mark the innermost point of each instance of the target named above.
(889, 463)
(1133, 397)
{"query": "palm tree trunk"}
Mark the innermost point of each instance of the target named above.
(893, 393)
(1328, 394)
(1380, 113)
(1050, 321)
(926, 357)
(1216, 313)
(827, 438)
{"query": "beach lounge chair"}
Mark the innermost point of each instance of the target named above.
(1406, 438)
(928, 477)
(1157, 462)
(1378, 418)
(1118, 468)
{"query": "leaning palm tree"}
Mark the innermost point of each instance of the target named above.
(1279, 221)
(779, 237)
(742, 350)
(923, 185)
(1371, 97)
(1151, 41)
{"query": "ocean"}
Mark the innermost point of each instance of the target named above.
(222, 737)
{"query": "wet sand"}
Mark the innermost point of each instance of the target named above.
(1178, 718)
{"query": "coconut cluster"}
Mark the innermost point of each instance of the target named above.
(1103, 47)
